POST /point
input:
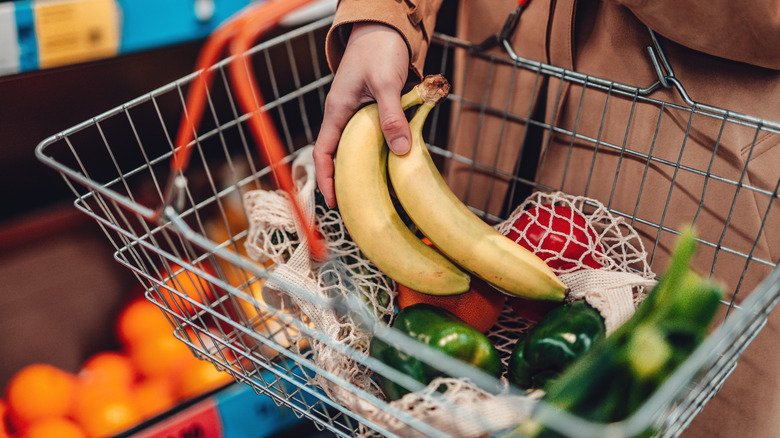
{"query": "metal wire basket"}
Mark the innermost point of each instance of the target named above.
(118, 164)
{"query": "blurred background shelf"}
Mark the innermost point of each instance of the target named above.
(159, 41)
(40, 34)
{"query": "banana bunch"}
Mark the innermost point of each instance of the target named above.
(369, 214)
(362, 167)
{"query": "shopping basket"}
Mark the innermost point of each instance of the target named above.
(118, 166)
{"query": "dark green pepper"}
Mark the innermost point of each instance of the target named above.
(562, 336)
(442, 330)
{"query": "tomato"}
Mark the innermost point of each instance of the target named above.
(559, 235)
(531, 310)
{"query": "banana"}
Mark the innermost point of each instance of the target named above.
(369, 214)
(457, 232)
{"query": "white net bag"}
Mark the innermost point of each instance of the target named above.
(601, 240)
(274, 233)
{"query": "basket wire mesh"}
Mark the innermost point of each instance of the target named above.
(117, 165)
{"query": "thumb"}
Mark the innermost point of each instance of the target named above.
(394, 124)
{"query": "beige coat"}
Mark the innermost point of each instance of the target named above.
(724, 53)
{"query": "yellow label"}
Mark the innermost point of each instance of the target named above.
(73, 31)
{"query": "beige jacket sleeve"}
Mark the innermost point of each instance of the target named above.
(740, 31)
(413, 19)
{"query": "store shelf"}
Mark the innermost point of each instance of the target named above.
(39, 34)
(234, 411)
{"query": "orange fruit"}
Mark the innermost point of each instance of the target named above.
(159, 356)
(103, 412)
(39, 391)
(153, 396)
(141, 319)
(108, 369)
(222, 229)
(211, 342)
(189, 284)
(4, 432)
(480, 307)
(59, 427)
(198, 377)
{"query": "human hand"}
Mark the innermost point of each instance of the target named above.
(374, 68)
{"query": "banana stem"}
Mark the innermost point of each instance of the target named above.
(433, 89)
(418, 120)
(428, 93)
(411, 98)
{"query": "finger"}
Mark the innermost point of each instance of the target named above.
(334, 120)
(393, 121)
(323, 163)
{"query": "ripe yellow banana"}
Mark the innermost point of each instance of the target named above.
(459, 233)
(369, 215)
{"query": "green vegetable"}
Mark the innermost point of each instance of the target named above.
(563, 335)
(613, 379)
(442, 330)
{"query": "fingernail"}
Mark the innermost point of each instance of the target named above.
(399, 146)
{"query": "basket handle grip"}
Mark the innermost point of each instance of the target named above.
(238, 34)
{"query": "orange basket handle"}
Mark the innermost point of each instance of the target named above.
(239, 33)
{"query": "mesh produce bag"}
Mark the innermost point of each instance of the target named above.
(274, 234)
(589, 236)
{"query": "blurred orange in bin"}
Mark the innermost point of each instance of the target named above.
(141, 319)
(54, 427)
(113, 391)
(198, 377)
(159, 356)
(104, 412)
(190, 285)
(154, 396)
(108, 369)
(39, 391)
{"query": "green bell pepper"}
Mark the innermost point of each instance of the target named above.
(562, 336)
(439, 329)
